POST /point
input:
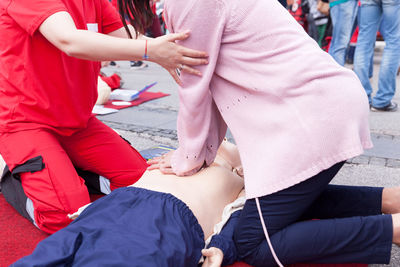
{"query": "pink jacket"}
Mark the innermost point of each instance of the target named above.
(292, 110)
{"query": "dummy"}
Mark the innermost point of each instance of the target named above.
(49, 66)
(296, 117)
(161, 220)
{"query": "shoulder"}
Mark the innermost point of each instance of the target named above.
(184, 7)
(181, 13)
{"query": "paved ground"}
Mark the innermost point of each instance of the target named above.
(154, 123)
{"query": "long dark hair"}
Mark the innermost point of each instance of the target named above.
(138, 12)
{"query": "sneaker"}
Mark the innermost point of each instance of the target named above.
(136, 65)
(113, 64)
(389, 108)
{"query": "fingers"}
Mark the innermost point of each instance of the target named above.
(214, 257)
(188, 52)
(167, 170)
(177, 36)
(164, 167)
(193, 61)
(154, 161)
(175, 76)
(162, 163)
(190, 70)
(184, 68)
(153, 167)
(207, 252)
(184, 50)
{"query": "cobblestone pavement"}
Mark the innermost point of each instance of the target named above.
(387, 152)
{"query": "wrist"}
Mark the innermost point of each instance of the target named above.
(145, 54)
(151, 47)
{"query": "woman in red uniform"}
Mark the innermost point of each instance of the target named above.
(49, 53)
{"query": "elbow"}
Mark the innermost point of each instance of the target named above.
(69, 45)
(71, 50)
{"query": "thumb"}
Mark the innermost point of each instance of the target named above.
(177, 36)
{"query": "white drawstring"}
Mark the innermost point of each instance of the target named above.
(266, 234)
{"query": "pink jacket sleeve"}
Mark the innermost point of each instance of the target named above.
(200, 125)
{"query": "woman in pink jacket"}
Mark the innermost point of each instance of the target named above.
(296, 117)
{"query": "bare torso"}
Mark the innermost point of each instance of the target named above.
(206, 193)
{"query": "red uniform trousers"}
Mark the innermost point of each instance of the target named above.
(57, 190)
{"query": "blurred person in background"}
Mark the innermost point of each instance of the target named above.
(375, 15)
(343, 15)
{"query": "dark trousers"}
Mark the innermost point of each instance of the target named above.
(315, 222)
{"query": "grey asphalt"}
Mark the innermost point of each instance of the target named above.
(154, 123)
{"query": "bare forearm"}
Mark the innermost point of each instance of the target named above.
(100, 47)
(60, 30)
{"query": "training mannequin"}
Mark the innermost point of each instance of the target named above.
(164, 219)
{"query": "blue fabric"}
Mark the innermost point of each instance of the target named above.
(350, 228)
(343, 17)
(372, 13)
(224, 240)
(129, 227)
